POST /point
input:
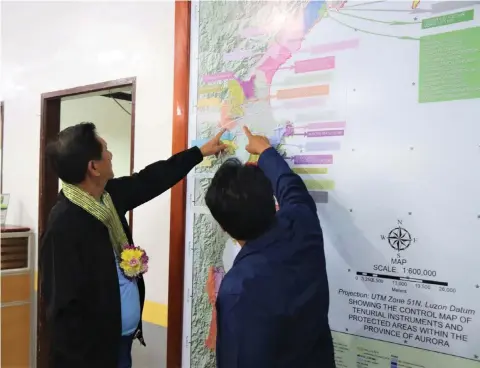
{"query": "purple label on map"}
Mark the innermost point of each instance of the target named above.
(325, 133)
(327, 125)
(313, 160)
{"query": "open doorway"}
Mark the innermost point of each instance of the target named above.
(111, 107)
(111, 113)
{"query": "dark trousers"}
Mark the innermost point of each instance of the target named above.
(125, 353)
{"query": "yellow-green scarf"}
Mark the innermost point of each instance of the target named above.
(106, 213)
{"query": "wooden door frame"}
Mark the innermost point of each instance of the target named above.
(48, 181)
(178, 203)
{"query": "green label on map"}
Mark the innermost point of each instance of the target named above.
(447, 19)
(450, 66)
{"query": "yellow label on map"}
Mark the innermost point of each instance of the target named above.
(319, 184)
(231, 147)
(208, 102)
(310, 170)
(207, 162)
(236, 97)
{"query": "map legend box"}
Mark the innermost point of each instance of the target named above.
(450, 66)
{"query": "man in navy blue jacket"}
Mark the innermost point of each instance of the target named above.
(272, 307)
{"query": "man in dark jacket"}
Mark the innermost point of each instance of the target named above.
(272, 306)
(93, 305)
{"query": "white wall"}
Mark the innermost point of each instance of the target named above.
(113, 124)
(47, 46)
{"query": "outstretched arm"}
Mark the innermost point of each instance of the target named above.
(153, 180)
(133, 191)
(287, 186)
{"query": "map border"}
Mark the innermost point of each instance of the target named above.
(180, 117)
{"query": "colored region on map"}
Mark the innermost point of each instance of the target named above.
(445, 20)
(450, 66)
(215, 276)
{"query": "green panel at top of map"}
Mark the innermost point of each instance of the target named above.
(450, 66)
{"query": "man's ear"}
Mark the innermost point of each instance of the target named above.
(92, 169)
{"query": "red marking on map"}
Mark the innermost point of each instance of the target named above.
(287, 41)
(215, 277)
(225, 120)
(271, 64)
(336, 4)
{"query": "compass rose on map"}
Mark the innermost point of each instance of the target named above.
(399, 238)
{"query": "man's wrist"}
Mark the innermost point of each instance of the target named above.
(263, 149)
(266, 156)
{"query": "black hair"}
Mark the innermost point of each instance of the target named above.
(240, 198)
(73, 149)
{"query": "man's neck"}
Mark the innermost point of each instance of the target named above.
(93, 189)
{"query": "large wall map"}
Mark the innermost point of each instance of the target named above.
(376, 105)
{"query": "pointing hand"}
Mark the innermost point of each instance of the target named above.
(214, 145)
(256, 143)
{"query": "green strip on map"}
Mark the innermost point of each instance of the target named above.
(445, 20)
(449, 67)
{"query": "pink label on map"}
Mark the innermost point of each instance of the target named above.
(336, 46)
(217, 77)
(313, 160)
(313, 65)
(237, 55)
(327, 125)
(325, 133)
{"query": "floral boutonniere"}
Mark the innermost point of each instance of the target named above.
(133, 261)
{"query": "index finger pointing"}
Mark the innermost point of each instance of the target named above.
(219, 134)
(247, 131)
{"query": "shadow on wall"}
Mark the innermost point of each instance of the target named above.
(344, 234)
